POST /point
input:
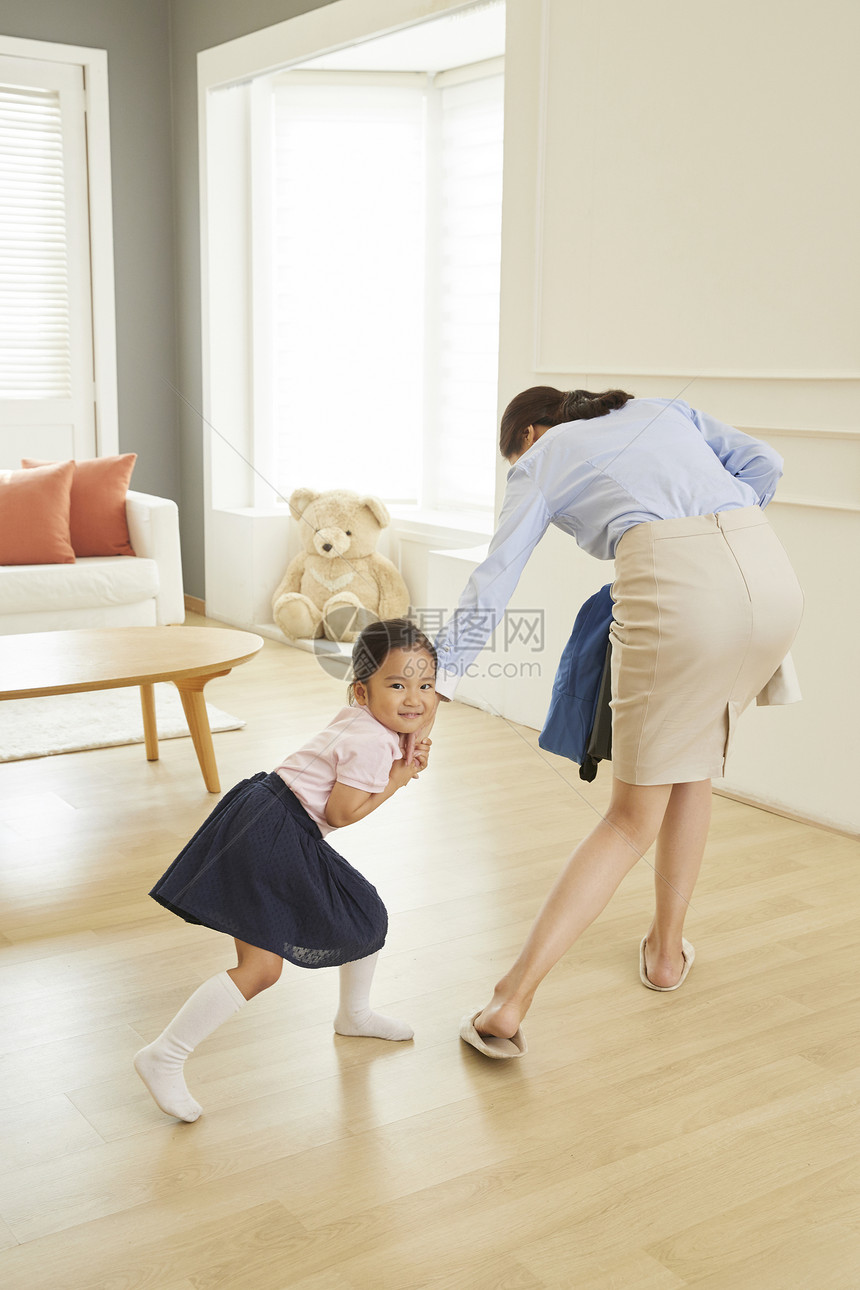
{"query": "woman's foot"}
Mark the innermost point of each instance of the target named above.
(664, 967)
(502, 1017)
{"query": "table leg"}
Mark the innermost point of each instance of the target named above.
(150, 729)
(194, 707)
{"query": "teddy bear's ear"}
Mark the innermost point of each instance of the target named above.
(300, 500)
(377, 510)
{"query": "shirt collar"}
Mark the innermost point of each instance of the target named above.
(529, 454)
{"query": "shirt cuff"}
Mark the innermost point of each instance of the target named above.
(446, 683)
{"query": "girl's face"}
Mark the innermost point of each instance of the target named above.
(401, 694)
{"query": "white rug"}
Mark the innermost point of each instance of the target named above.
(66, 723)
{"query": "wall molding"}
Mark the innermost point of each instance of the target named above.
(590, 36)
(795, 433)
(540, 185)
(307, 35)
(704, 373)
(818, 504)
(746, 800)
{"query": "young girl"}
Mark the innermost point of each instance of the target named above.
(260, 869)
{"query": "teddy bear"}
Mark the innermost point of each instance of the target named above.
(338, 583)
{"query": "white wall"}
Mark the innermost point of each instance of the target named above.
(679, 212)
(679, 216)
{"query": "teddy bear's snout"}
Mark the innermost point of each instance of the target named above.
(331, 543)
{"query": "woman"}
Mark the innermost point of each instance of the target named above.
(706, 606)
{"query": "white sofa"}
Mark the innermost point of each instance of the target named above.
(103, 591)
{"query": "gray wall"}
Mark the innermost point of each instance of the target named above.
(152, 50)
(136, 36)
(197, 25)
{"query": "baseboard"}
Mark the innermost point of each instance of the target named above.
(786, 815)
(195, 606)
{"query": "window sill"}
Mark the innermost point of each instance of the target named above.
(453, 528)
(421, 524)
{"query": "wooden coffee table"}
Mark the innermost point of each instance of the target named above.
(35, 664)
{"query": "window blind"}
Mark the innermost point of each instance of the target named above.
(349, 291)
(386, 249)
(470, 197)
(35, 358)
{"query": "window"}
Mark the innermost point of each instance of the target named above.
(279, 402)
(462, 408)
(353, 242)
(35, 362)
(57, 348)
(348, 299)
(386, 241)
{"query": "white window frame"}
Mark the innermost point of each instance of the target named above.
(416, 84)
(481, 516)
(242, 217)
(234, 417)
(248, 540)
(95, 71)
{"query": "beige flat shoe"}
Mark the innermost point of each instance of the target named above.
(492, 1045)
(689, 955)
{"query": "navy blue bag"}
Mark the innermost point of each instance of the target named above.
(577, 688)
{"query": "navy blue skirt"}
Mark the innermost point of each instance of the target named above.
(260, 870)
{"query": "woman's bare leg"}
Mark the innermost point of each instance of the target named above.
(680, 847)
(256, 969)
(582, 891)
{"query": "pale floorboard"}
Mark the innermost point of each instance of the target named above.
(647, 1142)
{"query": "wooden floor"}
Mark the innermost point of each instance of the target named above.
(706, 1138)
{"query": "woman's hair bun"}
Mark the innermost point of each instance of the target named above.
(582, 405)
(544, 405)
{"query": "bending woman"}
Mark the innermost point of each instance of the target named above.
(706, 606)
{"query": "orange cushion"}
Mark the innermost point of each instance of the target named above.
(97, 522)
(34, 515)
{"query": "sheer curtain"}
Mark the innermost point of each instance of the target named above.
(386, 245)
(464, 430)
(349, 287)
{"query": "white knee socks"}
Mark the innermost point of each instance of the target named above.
(160, 1064)
(354, 1015)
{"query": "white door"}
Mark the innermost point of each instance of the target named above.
(46, 334)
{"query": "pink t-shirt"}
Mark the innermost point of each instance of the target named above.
(355, 749)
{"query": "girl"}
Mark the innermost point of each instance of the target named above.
(706, 606)
(260, 870)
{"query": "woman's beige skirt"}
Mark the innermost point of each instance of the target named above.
(705, 610)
